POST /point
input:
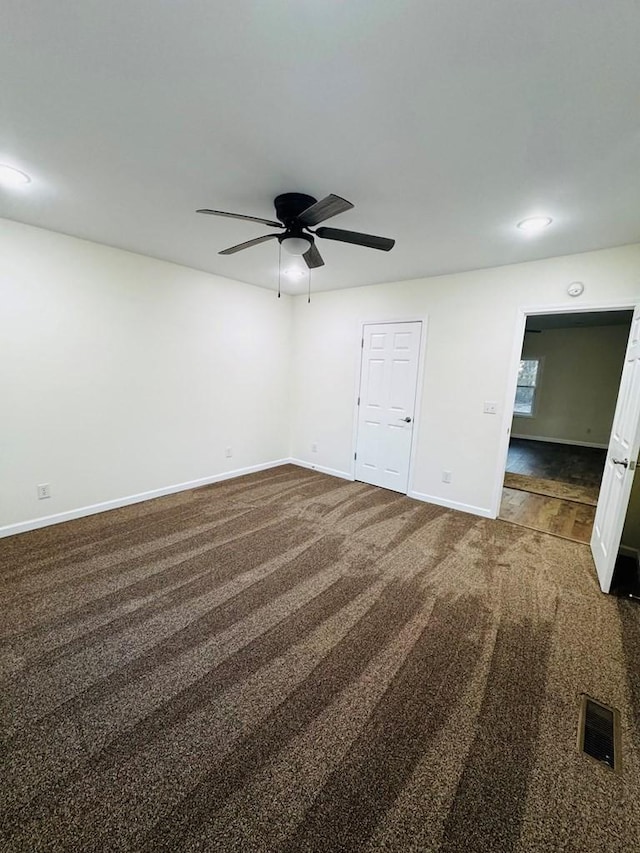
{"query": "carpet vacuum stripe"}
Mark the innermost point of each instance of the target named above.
(290, 662)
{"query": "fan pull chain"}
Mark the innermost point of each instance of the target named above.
(309, 294)
(279, 265)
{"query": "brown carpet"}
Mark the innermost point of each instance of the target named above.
(553, 488)
(291, 662)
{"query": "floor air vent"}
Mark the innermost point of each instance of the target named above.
(599, 732)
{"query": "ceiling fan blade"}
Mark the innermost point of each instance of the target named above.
(327, 207)
(368, 240)
(313, 258)
(269, 222)
(233, 249)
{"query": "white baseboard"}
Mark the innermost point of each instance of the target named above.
(561, 441)
(80, 512)
(432, 499)
(321, 469)
(418, 496)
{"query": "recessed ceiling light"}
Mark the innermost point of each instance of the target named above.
(13, 178)
(294, 273)
(534, 224)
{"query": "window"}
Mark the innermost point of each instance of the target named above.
(528, 374)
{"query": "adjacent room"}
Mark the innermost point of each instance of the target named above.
(567, 388)
(320, 417)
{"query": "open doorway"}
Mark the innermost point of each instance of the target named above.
(568, 381)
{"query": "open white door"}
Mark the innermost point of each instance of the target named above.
(622, 458)
(388, 378)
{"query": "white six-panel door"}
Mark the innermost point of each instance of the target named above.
(388, 380)
(622, 457)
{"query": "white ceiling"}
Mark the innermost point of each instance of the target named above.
(444, 122)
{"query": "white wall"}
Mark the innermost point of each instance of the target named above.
(471, 342)
(121, 374)
(579, 381)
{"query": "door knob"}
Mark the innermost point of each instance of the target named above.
(623, 462)
(407, 420)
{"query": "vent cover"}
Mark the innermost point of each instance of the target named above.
(599, 732)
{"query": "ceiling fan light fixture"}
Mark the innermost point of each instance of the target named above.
(296, 245)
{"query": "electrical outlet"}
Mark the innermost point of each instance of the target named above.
(314, 447)
(446, 476)
(44, 491)
(228, 452)
(490, 407)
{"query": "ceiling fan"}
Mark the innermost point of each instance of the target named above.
(297, 212)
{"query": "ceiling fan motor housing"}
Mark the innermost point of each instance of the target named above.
(290, 205)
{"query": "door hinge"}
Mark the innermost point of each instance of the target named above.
(355, 455)
(632, 465)
(358, 400)
(362, 344)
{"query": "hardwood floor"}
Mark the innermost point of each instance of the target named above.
(567, 519)
(565, 462)
(581, 466)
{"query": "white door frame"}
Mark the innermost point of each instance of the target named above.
(512, 376)
(419, 382)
